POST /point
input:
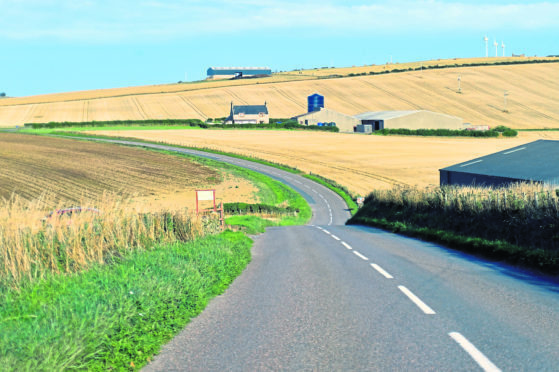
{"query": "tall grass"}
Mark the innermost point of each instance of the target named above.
(523, 218)
(33, 245)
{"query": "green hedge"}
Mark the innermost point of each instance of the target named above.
(276, 124)
(245, 208)
(506, 132)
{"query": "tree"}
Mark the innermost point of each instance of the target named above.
(2, 94)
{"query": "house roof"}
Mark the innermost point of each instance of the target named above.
(534, 161)
(250, 109)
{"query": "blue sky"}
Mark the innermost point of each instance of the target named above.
(50, 46)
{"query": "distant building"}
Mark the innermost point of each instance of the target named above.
(248, 114)
(532, 162)
(237, 72)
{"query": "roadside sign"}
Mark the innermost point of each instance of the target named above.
(205, 195)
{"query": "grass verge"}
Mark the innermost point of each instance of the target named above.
(115, 317)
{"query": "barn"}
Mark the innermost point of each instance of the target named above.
(533, 162)
(418, 119)
(324, 116)
(237, 72)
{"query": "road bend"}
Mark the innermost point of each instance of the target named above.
(331, 297)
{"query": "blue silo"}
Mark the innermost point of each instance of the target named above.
(315, 102)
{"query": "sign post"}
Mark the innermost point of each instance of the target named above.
(205, 195)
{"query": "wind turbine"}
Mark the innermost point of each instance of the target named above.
(496, 44)
(503, 46)
(486, 39)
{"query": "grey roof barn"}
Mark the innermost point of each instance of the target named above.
(532, 162)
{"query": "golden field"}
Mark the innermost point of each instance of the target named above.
(66, 172)
(533, 92)
(359, 162)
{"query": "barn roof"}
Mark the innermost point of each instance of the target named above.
(383, 115)
(534, 161)
(250, 109)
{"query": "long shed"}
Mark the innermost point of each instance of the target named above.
(536, 161)
(415, 119)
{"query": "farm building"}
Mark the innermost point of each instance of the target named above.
(237, 72)
(420, 119)
(533, 162)
(344, 122)
(248, 114)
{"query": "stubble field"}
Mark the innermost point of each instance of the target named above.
(360, 162)
(531, 102)
(67, 172)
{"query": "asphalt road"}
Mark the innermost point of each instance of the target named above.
(331, 297)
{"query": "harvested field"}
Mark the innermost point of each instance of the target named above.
(533, 91)
(70, 171)
(359, 162)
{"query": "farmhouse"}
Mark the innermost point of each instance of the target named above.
(533, 162)
(248, 114)
(419, 119)
(237, 72)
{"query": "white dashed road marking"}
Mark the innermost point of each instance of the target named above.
(382, 271)
(426, 309)
(477, 355)
(346, 245)
(335, 237)
(360, 256)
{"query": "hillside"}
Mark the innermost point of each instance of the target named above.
(533, 91)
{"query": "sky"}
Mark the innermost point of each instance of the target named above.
(50, 46)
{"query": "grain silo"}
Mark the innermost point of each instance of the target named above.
(315, 102)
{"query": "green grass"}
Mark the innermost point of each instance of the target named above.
(117, 316)
(250, 224)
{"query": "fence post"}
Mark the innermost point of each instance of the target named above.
(221, 216)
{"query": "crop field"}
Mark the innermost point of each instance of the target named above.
(359, 162)
(531, 102)
(65, 172)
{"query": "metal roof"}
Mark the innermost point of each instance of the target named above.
(235, 70)
(534, 161)
(387, 115)
(240, 68)
(383, 115)
(250, 109)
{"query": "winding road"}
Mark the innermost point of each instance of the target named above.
(331, 297)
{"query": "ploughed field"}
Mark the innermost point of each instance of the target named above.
(532, 89)
(360, 162)
(69, 171)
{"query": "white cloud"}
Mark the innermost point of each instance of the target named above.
(123, 20)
